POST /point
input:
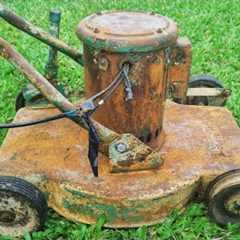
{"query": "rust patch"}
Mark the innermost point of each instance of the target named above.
(200, 143)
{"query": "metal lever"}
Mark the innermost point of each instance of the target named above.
(27, 27)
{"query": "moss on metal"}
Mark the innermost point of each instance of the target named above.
(96, 209)
(112, 46)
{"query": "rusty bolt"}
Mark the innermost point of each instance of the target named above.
(226, 93)
(103, 63)
(96, 30)
(121, 147)
(159, 30)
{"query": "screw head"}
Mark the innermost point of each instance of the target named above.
(159, 30)
(103, 63)
(121, 147)
(96, 30)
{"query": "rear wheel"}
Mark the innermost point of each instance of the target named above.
(22, 207)
(205, 81)
(223, 196)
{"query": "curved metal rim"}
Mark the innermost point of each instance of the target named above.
(28, 191)
(216, 180)
(205, 81)
(209, 80)
(114, 43)
(218, 211)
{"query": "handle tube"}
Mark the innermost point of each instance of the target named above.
(51, 68)
(36, 32)
(106, 136)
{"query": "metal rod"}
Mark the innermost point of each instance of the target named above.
(205, 91)
(20, 23)
(106, 135)
(51, 68)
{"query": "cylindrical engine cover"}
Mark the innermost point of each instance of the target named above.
(142, 40)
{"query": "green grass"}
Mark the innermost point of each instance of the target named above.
(214, 30)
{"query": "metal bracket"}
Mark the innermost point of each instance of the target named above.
(208, 92)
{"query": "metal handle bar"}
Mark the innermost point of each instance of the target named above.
(36, 32)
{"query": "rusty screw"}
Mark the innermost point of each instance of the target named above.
(103, 63)
(159, 30)
(96, 30)
(121, 147)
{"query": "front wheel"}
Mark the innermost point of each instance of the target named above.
(223, 196)
(23, 207)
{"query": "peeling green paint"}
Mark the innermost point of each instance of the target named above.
(76, 193)
(77, 208)
(96, 209)
(120, 47)
(110, 211)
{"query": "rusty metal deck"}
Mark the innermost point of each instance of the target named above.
(201, 142)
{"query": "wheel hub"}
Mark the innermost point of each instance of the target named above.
(13, 210)
(7, 217)
(16, 214)
(233, 204)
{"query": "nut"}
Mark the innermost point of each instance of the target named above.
(159, 30)
(121, 147)
(96, 30)
(103, 64)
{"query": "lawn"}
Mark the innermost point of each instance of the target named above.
(214, 30)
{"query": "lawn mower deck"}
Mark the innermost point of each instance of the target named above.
(200, 143)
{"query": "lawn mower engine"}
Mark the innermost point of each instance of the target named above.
(124, 152)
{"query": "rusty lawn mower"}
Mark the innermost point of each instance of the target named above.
(145, 139)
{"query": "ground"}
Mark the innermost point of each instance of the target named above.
(214, 30)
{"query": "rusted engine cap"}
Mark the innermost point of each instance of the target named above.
(121, 31)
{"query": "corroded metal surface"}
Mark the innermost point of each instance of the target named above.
(141, 116)
(106, 36)
(200, 143)
(124, 159)
(181, 59)
(106, 136)
(140, 40)
(121, 31)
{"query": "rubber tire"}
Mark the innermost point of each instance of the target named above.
(29, 192)
(215, 181)
(206, 81)
(217, 210)
(216, 204)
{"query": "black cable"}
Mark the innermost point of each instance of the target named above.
(39, 121)
(93, 145)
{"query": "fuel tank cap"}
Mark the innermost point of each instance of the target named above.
(122, 31)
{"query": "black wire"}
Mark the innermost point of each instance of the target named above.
(106, 93)
(39, 121)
